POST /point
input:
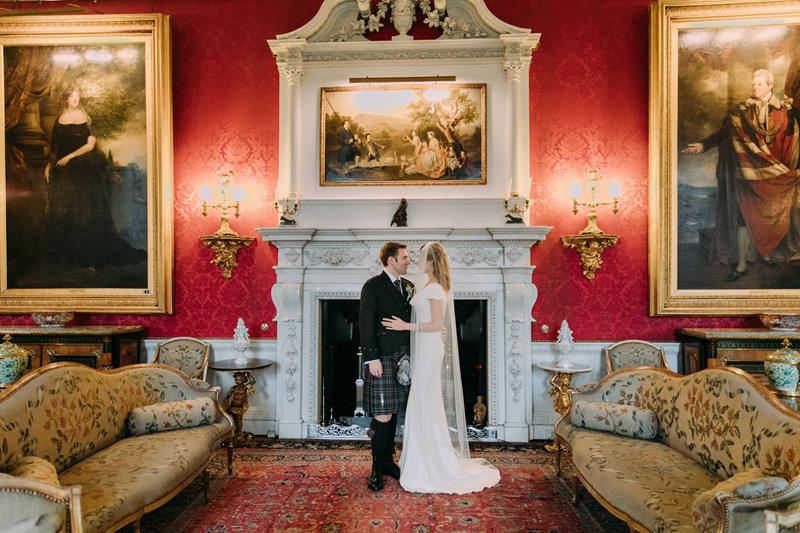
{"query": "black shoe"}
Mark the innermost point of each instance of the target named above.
(376, 479)
(770, 263)
(391, 470)
(733, 275)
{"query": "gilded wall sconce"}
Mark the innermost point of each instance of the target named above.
(225, 243)
(591, 241)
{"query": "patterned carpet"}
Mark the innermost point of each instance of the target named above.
(319, 486)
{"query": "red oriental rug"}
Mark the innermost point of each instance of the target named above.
(324, 490)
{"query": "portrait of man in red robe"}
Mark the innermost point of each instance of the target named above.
(754, 204)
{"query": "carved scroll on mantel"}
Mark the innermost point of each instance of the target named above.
(492, 264)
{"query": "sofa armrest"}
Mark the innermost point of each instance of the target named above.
(28, 505)
(585, 388)
(737, 504)
(775, 521)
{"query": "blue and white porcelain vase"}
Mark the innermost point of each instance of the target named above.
(783, 370)
(13, 361)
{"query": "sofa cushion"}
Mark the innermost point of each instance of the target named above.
(33, 467)
(137, 471)
(652, 483)
(617, 418)
(171, 415)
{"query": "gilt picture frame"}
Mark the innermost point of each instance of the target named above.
(413, 134)
(86, 192)
(724, 222)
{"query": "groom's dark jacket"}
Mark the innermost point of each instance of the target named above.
(380, 299)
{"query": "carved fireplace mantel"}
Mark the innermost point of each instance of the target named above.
(488, 263)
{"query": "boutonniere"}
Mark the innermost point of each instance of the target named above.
(409, 292)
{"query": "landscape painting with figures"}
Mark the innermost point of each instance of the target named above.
(431, 134)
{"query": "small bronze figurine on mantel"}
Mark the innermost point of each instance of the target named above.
(400, 217)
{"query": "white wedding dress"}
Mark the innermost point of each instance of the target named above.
(430, 462)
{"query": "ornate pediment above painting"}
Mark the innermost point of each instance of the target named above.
(442, 122)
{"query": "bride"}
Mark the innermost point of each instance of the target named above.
(435, 454)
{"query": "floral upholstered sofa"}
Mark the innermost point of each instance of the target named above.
(67, 424)
(724, 450)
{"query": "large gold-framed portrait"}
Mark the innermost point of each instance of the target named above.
(724, 157)
(86, 193)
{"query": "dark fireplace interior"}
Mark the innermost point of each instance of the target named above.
(340, 365)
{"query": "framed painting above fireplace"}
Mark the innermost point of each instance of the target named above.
(426, 134)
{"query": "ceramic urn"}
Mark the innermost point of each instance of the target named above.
(783, 370)
(13, 361)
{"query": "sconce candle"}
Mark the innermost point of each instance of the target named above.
(205, 193)
(614, 189)
(575, 190)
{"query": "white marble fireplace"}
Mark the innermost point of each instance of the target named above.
(488, 263)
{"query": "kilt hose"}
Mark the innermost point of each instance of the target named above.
(384, 395)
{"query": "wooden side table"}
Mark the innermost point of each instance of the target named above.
(745, 348)
(237, 399)
(560, 383)
(101, 347)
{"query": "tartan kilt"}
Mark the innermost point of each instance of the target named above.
(384, 395)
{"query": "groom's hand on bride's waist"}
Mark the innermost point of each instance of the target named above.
(376, 368)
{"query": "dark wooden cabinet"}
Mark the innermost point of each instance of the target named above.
(101, 347)
(743, 348)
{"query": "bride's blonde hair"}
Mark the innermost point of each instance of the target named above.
(441, 266)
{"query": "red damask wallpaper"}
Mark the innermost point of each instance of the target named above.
(589, 93)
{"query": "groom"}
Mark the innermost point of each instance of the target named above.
(384, 296)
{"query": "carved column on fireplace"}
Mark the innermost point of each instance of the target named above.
(287, 295)
(520, 295)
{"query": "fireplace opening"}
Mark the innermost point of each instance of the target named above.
(340, 365)
(340, 368)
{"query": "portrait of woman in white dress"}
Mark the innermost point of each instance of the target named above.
(435, 457)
